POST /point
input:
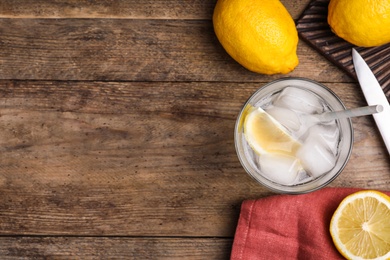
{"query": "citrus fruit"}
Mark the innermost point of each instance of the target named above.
(364, 23)
(266, 135)
(260, 35)
(244, 113)
(360, 226)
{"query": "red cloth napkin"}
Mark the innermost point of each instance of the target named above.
(288, 226)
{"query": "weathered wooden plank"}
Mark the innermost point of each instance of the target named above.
(93, 158)
(139, 159)
(114, 248)
(171, 9)
(133, 9)
(131, 50)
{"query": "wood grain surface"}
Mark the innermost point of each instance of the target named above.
(122, 9)
(116, 130)
(114, 248)
(131, 50)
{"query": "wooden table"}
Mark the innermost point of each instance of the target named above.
(116, 129)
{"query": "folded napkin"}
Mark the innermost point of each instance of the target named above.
(288, 226)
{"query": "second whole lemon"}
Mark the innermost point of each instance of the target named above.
(364, 23)
(260, 35)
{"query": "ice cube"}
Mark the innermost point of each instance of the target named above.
(328, 134)
(315, 157)
(280, 168)
(286, 117)
(299, 100)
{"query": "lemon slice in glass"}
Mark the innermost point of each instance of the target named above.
(360, 226)
(266, 135)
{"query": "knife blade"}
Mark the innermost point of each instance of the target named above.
(374, 95)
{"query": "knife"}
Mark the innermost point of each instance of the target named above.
(374, 95)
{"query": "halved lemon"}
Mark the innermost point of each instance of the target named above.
(266, 135)
(360, 226)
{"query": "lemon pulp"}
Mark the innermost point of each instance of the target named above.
(266, 135)
(360, 226)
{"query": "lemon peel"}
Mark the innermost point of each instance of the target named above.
(260, 35)
(363, 23)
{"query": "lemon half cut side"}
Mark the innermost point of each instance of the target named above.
(264, 134)
(360, 226)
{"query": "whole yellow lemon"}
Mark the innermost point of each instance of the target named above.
(260, 35)
(364, 23)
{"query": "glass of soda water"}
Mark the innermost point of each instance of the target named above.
(280, 145)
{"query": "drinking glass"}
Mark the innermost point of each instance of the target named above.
(343, 143)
